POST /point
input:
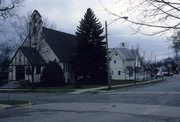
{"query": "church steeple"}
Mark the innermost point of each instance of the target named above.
(35, 28)
(35, 24)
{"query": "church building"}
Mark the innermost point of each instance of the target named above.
(41, 46)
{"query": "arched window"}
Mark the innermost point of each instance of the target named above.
(119, 72)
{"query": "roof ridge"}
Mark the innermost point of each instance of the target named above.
(58, 31)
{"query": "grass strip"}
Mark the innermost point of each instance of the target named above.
(129, 85)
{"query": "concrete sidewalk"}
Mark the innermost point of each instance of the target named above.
(99, 88)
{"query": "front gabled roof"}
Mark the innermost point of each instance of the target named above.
(61, 43)
(32, 52)
(124, 52)
(35, 12)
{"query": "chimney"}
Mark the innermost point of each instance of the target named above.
(122, 45)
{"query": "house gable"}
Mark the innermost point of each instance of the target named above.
(114, 53)
(32, 52)
(116, 60)
(19, 59)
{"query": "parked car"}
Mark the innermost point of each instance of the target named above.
(168, 74)
(159, 74)
(165, 73)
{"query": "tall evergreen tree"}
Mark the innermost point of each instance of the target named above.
(90, 58)
(52, 75)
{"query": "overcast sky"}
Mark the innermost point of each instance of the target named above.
(66, 14)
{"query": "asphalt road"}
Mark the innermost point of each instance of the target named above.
(158, 102)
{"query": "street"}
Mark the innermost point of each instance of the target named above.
(156, 102)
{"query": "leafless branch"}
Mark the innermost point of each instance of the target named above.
(164, 15)
(7, 7)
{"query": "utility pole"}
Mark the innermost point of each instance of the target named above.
(107, 56)
(32, 65)
(107, 50)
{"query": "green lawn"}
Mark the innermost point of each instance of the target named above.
(129, 82)
(121, 82)
(70, 87)
(52, 90)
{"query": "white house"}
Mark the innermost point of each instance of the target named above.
(123, 63)
(41, 46)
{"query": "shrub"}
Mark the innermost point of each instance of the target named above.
(52, 75)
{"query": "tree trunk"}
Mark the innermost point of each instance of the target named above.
(32, 78)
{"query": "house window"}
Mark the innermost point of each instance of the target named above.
(20, 72)
(123, 62)
(20, 56)
(130, 74)
(67, 67)
(114, 61)
(119, 72)
(116, 54)
(38, 69)
(64, 67)
(28, 71)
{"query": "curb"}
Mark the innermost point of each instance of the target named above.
(25, 105)
(16, 106)
(2, 109)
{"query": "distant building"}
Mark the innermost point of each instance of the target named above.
(123, 63)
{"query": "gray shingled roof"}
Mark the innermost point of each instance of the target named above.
(61, 43)
(32, 52)
(124, 52)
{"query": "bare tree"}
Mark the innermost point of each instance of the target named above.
(175, 38)
(7, 7)
(159, 16)
(129, 70)
(6, 51)
(21, 26)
